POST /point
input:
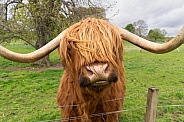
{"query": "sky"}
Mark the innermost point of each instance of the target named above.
(163, 14)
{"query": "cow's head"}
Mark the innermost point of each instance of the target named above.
(91, 50)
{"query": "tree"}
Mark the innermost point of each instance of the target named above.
(156, 34)
(83, 12)
(141, 28)
(130, 28)
(7, 28)
(2, 11)
(42, 20)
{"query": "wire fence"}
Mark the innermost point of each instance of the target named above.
(173, 109)
(94, 115)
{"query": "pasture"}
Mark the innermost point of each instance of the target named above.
(28, 94)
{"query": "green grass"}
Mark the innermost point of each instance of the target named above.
(30, 96)
(25, 95)
(166, 72)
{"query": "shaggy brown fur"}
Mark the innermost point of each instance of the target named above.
(88, 41)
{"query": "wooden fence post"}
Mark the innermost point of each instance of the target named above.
(151, 106)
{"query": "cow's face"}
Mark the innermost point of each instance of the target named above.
(92, 53)
(97, 76)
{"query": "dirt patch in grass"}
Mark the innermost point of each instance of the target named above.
(35, 68)
(176, 114)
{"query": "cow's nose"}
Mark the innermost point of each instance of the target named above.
(97, 69)
(98, 72)
(97, 76)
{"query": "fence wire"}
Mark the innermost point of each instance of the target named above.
(133, 110)
(91, 116)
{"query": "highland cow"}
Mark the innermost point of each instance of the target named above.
(91, 54)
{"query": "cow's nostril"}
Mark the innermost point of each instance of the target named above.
(88, 69)
(106, 68)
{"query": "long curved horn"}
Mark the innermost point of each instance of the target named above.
(151, 46)
(33, 56)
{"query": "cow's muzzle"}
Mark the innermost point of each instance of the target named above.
(97, 76)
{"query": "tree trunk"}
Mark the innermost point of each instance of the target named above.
(41, 32)
(45, 61)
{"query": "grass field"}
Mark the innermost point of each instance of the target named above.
(28, 94)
